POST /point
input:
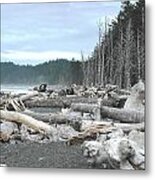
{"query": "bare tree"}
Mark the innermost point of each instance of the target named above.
(99, 52)
(143, 43)
(111, 57)
(138, 55)
(129, 40)
(83, 68)
(120, 59)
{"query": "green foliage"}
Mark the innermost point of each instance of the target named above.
(60, 71)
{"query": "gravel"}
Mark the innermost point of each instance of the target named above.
(52, 155)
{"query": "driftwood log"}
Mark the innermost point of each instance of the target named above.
(28, 96)
(28, 121)
(7, 129)
(16, 103)
(64, 102)
(123, 115)
(90, 133)
(90, 130)
(119, 152)
(57, 118)
(126, 127)
(137, 98)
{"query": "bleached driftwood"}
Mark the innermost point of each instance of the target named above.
(123, 115)
(6, 130)
(27, 120)
(64, 102)
(91, 129)
(126, 127)
(16, 103)
(28, 96)
(90, 133)
(57, 118)
(117, 153)
(48, 117)
(137, 98)
(77, 120)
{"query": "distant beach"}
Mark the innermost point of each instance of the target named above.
(15, 89)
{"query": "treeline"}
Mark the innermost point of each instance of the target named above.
(60, 71)
(119, 56)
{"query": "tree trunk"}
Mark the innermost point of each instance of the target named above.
(83, 68)
(66, 102)
(126, 127)
(27, 120)
(123, 115)
(138, 55)
(53, 118)
(128, 46)
(28, 96)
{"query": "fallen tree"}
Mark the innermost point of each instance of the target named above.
(56, 118)
(115, 153)
(48, 117)
(90, 133)
(126, 127)
(59, 118)
(28, 121)
(28, 96)
(16, 103)
(123, 115)
(64, 102)
(91, 130)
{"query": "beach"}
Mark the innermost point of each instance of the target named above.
(35, 155)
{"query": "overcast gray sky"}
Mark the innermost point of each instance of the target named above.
(34, 33)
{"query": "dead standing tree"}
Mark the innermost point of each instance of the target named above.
(138, 55)
(103, 45)
(83, 68)
(129, 43)
(143, 43)
(99, 53)
(121, 59)
(111, 56)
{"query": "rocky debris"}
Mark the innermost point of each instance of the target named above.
(7, 129)
(116, 151)
(107, 122)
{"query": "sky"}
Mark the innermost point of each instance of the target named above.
(39, 32)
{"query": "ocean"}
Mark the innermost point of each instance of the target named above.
(23, 89)
(15, 89)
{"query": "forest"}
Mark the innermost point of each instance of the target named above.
(60, 71)
(118, 57)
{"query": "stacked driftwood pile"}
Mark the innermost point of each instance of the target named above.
(107, 122)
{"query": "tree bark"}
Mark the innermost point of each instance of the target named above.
(123, 115)
(66, 102)
(53, 118)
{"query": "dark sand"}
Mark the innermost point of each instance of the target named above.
(53, 155)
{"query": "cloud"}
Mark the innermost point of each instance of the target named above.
(31, 57)
(51, 30)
